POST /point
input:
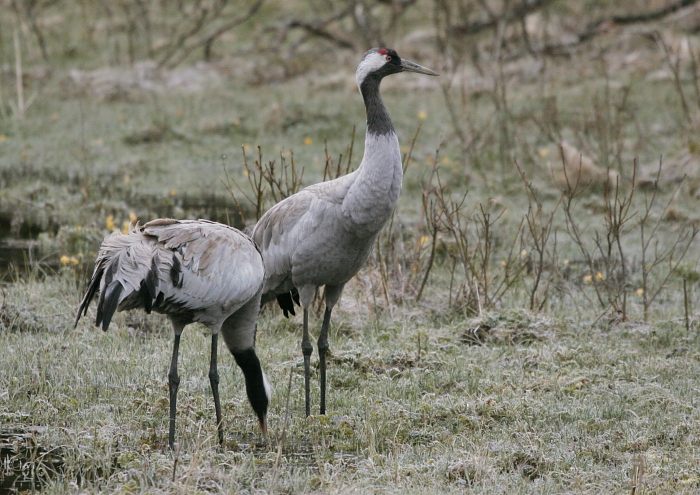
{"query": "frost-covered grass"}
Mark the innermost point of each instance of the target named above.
(426, 396)
(533, 405)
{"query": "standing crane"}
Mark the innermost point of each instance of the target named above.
(191, 271)
(323, 235)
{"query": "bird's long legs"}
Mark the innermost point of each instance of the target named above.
(214, 381)
(322, 349)
(307, 349)
(173, 384)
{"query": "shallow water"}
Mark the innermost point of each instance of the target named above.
(20, 256)
(26, 466)
(19, 247)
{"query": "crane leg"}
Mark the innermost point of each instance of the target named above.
(322, 349)
(307, 349)
(214, 381)
(173, 384)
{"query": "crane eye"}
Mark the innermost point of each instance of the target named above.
(388, 58)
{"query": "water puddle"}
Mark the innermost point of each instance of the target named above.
(19, 231)
(20, 256)
(25, 465)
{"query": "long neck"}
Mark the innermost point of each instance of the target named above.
(373, 195)
(378, 120)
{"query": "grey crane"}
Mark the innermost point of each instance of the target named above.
(323, 235)
(191, 271)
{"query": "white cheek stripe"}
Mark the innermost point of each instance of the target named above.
(369, 64)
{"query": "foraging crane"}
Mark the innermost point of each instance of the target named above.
(191, 271)
(323, 235)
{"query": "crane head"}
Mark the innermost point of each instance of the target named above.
(381, 62)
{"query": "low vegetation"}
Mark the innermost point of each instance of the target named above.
(527, 322)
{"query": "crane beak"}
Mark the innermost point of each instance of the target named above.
(408, 66)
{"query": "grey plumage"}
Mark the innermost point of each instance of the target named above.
(324, 234)
(191, 271)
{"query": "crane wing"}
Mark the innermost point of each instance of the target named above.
(212, 263)
(195, 269)
(279, 232)
(296, 222)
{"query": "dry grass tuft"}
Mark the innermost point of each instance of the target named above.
(508, 328)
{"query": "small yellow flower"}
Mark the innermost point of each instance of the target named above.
(2, 138)
(423, 240)
(503, 263)
(110, 222)
(65, 260)
(599, 276)
(127, 179)
(640, 292)
(308, 141)
(247, 148)
(544, 152)
(79, 228)
(237, 122)
(73, 260)
(133, 217)
(565, 262)
(422, 115)
(523, 253)
(246, 173)
(445, 160)
(587, 279)
(24, 154)
(125, 227)
(172, 192)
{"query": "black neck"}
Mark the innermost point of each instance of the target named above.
(378, 120)
(254, 382)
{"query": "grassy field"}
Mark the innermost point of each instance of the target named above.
(512, 333)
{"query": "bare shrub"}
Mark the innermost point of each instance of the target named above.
(542, 255)
(349, 24)
(488, 273)
(661, 255)
(268, 182)
(604, 250)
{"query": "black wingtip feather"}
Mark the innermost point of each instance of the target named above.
(145, 296)
(111, 301)
(109, 272)
(149, 286)
(93, 287)
(176, 272)
(152, 279)
(286, 302)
